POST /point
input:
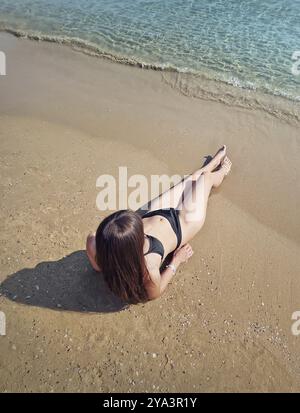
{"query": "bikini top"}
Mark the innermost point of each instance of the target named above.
(155, 246)
(172, 216)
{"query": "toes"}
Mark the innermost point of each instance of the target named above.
(227, 165)
(227, 161)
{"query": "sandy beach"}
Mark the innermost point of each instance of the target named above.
(224, 323)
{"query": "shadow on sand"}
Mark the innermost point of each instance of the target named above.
(68, 284)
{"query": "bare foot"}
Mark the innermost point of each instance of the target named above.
(216, 160)
(220, 174)
(226, 164)
(213, 164)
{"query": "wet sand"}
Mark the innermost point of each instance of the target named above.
(224, 323)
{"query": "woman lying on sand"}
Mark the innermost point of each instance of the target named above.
(129, 247)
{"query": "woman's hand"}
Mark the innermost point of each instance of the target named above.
(161, 280)
(183, 253)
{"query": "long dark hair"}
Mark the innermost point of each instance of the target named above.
(119, 253)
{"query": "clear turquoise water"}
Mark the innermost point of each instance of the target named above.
(245, 43)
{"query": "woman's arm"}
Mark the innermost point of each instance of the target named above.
(159, 281)
(91, 251)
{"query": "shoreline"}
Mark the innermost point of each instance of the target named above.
(224, 323)
(188, 83)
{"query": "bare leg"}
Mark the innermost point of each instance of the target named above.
(194, 205)
(172, 197)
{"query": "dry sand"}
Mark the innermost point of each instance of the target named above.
(224, 324)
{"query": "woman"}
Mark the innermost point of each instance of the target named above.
(129, 247)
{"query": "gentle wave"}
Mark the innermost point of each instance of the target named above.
(84, 46)
(231, 91)
(199, 86)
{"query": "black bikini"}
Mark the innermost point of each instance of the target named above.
(155, 246)
(172, 215)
